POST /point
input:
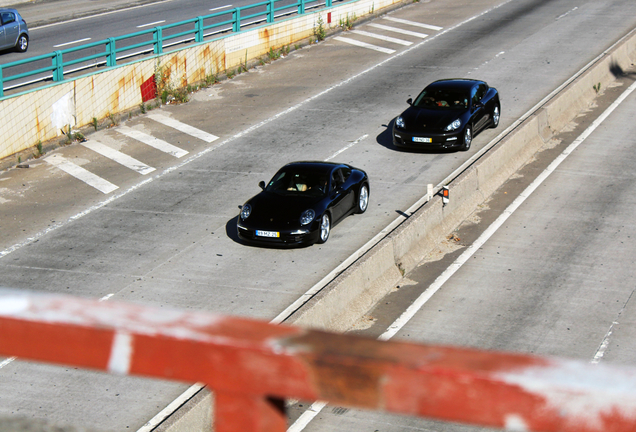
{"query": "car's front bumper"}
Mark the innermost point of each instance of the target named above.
(402, 138)
(285, 237)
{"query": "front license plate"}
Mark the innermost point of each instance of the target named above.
(424, 140)
(267, 233)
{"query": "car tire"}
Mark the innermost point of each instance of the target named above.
(467, 138)
(23, 43)
(325, 228)
(363, 199)
(496, 116)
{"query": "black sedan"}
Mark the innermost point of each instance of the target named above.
(447, 114)
(302, 202)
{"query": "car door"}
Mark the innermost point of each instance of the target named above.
(341, 196)
(10, 30)
(479, 114)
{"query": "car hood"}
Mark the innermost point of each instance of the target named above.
(423, 119)
(274, 211)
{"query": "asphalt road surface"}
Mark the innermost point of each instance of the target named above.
(167, 237)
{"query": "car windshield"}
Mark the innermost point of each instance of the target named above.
(298, 181)
(442, 98)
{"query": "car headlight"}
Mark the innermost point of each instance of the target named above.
(453, 126)
(307, 217)
(246, 210)
(399, 122)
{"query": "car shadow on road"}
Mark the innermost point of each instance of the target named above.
(385, 139)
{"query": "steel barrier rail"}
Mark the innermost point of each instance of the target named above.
(251, 366)
(158, 42)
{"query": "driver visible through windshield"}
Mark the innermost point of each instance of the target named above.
(441, 98)
(292, 182)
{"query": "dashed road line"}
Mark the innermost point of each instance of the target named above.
(399, 30)
(152, 141)
(364, 45)
(119, 157)
(413, 23)
(381, 37)
(82, 174)
(182, 127)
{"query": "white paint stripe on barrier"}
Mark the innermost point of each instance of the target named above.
(152, 141)
(413, 23)
(381, 37)
(365, 45)
(82, 174)
(119, 157)
(399, 30)
(120, 354)
(182, 127)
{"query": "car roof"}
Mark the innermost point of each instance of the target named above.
(458, 83)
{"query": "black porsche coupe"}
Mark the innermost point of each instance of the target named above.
(447, 114)
(302, 202)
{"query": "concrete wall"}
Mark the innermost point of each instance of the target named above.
(41, 115)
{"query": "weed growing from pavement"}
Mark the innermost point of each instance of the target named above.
(319, 29)
(347, 23)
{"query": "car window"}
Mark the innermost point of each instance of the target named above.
(442, 99)
(337, 178)
(298, 181)
(479, 92)
(7, 17)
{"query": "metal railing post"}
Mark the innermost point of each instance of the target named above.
(111, 53)
(301, 7)
(1, 83)
(328, 3)
(270, 11)
(198, 26)
(58, 66)
(236, 17)
(157, 38)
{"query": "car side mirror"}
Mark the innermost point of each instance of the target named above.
(409, 101)
(261, 184)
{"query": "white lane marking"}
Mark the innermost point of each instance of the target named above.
(600, 352)
(119, 157)
(307, 416)
(106, 297)
(413, 23)
(398, 30)
(220, 7)
(566, 14)
(404, 318)
(152, 141)
(151, 24)
(365, 45)
(82, 174)
(381, 37)
(461, 260)
(121, 353)
(183, 127)
(348, 146)
(71, 43)
(101, 14)
(172, 407)
(6, 362)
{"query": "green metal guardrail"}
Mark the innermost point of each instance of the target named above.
(110, 50)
